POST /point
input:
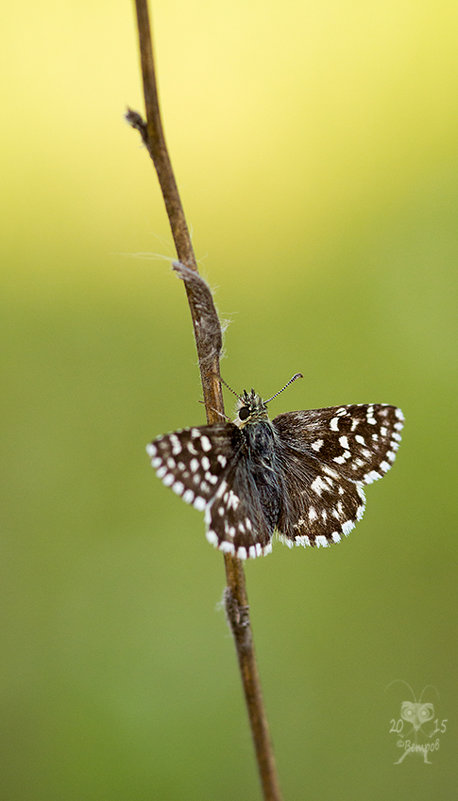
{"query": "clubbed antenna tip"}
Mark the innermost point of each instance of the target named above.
(297, 375)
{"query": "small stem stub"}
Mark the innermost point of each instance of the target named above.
(238, 618)
(136, 121)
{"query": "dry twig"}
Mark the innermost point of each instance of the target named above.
(207, 332)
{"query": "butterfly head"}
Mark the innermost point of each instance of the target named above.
(250, 409)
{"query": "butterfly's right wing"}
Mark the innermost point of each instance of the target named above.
(319, 505)
(327, 456)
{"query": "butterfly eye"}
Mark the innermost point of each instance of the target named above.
(244, 412)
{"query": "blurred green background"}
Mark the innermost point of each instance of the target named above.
(315, 145)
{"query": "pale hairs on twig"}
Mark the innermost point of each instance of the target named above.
(153, 255)
(207, 321)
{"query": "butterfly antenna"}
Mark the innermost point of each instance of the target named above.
(298, 375)
(229, 388)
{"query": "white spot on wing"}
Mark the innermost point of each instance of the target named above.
(227, 547)
(372, 476)
(176, 444)
(329, 471)
(205, 442)
(233, 500)
(321, 540)
(370, 416)
(212, 537)
(318, 485)
(286, 541)
(221, 489)
(347, 527)
(188, 496)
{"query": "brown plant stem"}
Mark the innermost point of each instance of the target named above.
(207, 332)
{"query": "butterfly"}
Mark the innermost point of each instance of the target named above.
(301, 474)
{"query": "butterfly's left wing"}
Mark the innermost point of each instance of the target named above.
(193, 461)
(328, 454)
(207, 467)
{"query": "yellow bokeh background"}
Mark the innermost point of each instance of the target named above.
(315, 146)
